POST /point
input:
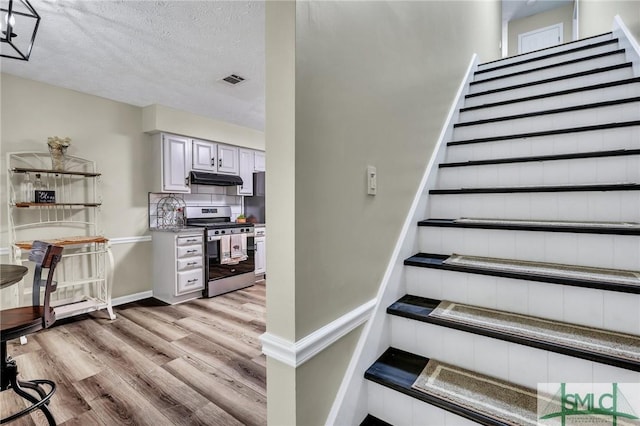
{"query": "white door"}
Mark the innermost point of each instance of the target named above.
(246, 171)
(176, 152)
(228, 159)
(540, 38)
(205, 156)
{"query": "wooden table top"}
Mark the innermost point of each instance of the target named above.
(11, 274)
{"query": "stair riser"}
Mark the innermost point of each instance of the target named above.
(399, 409)
(609, 310)
(544, 52)
(548, 61)
(500, 359)
(615, 206)
(549, 73)
(562, 120)
(539, 89)
(598, 140)
(554, 102)
(558, 172)
(597, 250)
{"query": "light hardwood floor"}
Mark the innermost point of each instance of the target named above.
(196, 363)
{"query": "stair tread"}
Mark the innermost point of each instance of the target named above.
(552, 79)
(567, 44)
(622, 186)
(399, 370)
(556, 93)
(574, 108)
(547, 56)
(537, 271)
(565, 130)
(373, 421)
(613, 348)
(551, 157)
(617, 228)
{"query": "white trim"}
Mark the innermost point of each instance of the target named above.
(131, 298)
(627, 40)
(4, 251)
(129, 240)
(372, 340)
(296, 354)
(559, 26)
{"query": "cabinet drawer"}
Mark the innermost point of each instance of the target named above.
(190, 263)
(190, 280)
(188, 251)
(189, 240)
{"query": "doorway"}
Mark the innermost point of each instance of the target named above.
(540, 38)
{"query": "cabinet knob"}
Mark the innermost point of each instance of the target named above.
(213, 161)
(192, 251)
(220, 162)
(186, 181)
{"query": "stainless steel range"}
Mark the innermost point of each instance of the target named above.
(229, 249)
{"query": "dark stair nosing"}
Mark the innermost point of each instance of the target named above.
(553, 94)
(550, 188)
(551, 79)
(436, 261)
(546, 48)
(576, 229)
(538, 158)
(374, 421)
(397, 370)
(546, 67)
(550, 55)
(547, 133)
(418, 309)
(574, 108)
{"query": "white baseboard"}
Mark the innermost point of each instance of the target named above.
(297, 353)
(131, 298)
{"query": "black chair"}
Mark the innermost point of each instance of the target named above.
(26, 320)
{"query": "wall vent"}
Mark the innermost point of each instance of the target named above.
(233, 79)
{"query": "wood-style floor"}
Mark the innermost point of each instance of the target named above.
(196, 363)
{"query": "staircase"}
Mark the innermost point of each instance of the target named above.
(528, 268)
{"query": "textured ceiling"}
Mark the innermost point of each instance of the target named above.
(171, 53)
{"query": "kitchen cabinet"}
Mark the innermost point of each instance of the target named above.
(69, 216)
(213, 157)
(174, 155)
(259, 163)
(260, 253)
(178, 265)
(246, 165)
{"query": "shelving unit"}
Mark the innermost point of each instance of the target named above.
(84, 274)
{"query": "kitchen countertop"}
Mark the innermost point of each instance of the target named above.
(180, 229)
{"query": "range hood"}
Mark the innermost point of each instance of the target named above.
(204, 178)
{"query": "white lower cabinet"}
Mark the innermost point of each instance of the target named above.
(261, 252)
(178, 265)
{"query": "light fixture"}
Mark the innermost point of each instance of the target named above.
(18, 28)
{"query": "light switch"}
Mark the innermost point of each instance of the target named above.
(372, 180)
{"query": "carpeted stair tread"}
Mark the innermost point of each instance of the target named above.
(579, 276)
(615, 228)
(604, 346)
(374, 421)
(398, 370)
(505, 402)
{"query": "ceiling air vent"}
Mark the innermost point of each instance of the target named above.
(233, 79)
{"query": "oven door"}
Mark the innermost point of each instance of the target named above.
(216, 270)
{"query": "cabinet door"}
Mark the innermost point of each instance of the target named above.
(205, 156)
(246, 171)
(261, 256)
(259, 164)
(228, 159)
(188, 281)
(176, 161)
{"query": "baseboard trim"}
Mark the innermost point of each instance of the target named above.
(131, 298)
(297, 353)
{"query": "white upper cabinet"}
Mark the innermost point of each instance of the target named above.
(228, 159)
(259, 161)
(176, 163)
(246, 171)
(205, 156)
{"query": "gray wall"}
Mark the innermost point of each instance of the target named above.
(596, 16)
(366, 83)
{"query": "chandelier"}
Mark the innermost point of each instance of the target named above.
(18, 26)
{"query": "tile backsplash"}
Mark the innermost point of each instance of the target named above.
(201, 194)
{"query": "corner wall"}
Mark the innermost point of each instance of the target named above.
(595, 16)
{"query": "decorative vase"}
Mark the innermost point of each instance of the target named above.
(58, 158)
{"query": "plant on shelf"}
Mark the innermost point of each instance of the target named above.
(241, 218)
